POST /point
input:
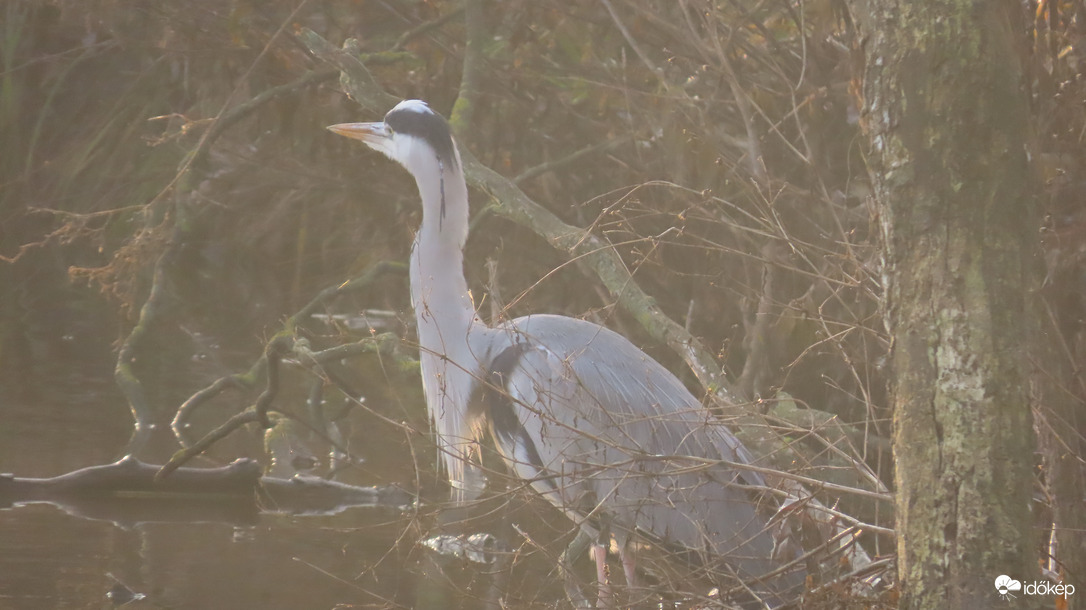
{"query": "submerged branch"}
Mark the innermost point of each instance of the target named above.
(131, 490)
(283, 344)
(123, 373)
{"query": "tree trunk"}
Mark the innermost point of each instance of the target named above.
(945, 113)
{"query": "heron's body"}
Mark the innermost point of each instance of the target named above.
(604, 431)
(590, 421)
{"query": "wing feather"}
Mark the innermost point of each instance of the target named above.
(592, 421)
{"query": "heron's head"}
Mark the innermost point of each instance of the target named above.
(412, 134)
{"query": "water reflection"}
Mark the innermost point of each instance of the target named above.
(216, 559)
(361, 557)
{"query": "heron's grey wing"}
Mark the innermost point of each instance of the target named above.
(598, 426)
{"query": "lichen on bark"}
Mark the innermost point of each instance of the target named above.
(945, 118)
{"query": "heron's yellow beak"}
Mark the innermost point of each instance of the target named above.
(370, 133)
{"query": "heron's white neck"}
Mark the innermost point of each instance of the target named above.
(444, 311)
(439, 291)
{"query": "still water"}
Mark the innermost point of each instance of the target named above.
(64, 413)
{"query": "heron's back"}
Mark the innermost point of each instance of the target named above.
(613, 432)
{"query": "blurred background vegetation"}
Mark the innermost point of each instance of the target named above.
(716, 145)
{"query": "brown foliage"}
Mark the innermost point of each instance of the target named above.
(733, 182)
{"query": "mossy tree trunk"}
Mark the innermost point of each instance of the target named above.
(946, 114)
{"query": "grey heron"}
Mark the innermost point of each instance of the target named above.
(592, 423)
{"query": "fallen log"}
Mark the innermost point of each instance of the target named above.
(127, 491)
